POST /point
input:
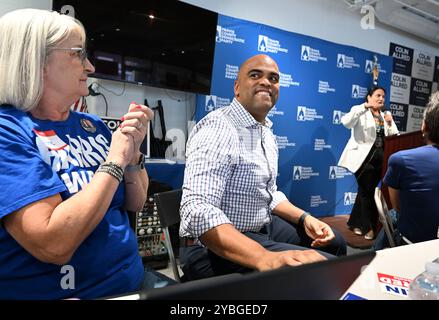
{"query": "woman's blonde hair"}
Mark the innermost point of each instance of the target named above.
(26, 39)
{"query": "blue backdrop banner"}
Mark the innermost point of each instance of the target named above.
(319, 82)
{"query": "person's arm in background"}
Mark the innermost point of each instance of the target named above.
(350, 119)
(394, 198)
(209, 163)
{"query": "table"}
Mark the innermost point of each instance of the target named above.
(167, 171)
(389, 274)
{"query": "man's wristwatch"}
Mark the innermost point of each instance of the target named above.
(302, 219)
(137, 167)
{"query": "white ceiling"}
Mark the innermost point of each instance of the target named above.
(418, 17)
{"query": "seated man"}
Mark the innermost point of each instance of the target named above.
(413, 180)
(232, 214)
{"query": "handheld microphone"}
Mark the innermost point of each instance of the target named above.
(385, 110)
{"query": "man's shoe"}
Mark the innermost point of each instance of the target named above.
(369, 235)
(358, 231)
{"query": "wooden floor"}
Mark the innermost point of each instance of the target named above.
(340, 224)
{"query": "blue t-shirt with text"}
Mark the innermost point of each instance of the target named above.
(41, 158)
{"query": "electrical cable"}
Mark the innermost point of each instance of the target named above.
(108, 90)
(106, 104)
(175, 99)
(94, 93)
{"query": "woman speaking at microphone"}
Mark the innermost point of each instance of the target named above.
(363, 155)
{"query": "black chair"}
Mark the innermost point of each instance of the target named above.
(168, 209)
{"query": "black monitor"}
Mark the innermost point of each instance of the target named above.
(160, 43)
(326, 280)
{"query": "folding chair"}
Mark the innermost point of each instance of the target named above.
(383, 215)
(386, 219)
(168, 209)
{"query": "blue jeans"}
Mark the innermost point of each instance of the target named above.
(153, 279)
(199, 262)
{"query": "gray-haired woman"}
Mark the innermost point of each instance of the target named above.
(66, 181)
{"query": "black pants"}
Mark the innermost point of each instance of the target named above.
(199, 262)
(364, 214)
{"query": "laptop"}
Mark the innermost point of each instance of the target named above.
(326, 280)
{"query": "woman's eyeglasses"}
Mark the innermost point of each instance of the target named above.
(82, 52)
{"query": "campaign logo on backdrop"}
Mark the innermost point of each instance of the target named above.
(420, 92)
(358, 92)
(275, 112)
(283, 142)
(210, 104)
(414, 118)
(214, 102)
(423, 66)
(402, 62)
(399, 114)
(311, 54)
(262, 43)
(336, 116)
(266, 44)
(301, 111)
(346, 62)
(340, 60)
(349, 198)
(231, 71)
(320, 145)
(398, 110)
(368, 67)
(332, 174)
(317, 201)
(307, 114)
(336, 172)
(400, 89)
(303, 173)
(225, 35)
(355, 91)
(324, 87)
(286, 80)
(297, 173)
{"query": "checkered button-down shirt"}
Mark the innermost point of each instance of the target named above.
(230, 175)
